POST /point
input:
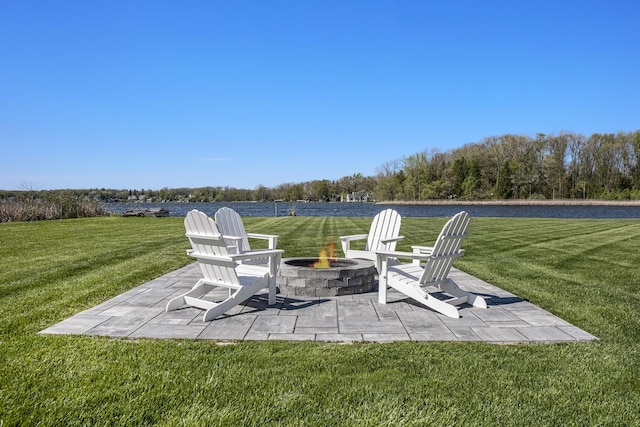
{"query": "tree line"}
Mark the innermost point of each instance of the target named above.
(563, 166)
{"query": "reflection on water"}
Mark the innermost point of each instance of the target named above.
(270, 209)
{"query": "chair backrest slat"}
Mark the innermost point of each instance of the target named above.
(446, 249)
(230, 223)
(385, 225)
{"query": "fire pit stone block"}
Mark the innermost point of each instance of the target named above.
(295, 277)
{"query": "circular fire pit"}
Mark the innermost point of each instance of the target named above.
(297, 276)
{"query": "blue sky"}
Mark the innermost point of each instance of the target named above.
(151, 94)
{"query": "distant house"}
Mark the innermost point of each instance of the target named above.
(360, 196)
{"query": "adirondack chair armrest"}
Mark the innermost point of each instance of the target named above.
(403, 255)
(354, 237)
(428, 249)
(345, 241)
(262, 236)
(422, 249)
(200, 256)
(257, 254)
(235, 238)
(272, 238)
(386, 244)
(201, 236)
(197, 237)
(383, 258)
(391, 240)
(234, 243)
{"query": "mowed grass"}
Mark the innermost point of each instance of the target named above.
(585, 271)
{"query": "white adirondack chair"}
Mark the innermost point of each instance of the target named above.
(231, 226)
(221, 269)
(429, 284)
(383, 236)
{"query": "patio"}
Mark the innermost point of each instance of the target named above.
(140, 313)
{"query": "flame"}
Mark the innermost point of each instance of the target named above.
(324, 256)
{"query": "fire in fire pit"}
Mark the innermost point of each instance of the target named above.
(314, 262)
(326, 256)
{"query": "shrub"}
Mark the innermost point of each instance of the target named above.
(53, 206)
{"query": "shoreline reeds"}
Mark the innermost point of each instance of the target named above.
(58, 207)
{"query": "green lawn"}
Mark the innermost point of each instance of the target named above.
(585, 271)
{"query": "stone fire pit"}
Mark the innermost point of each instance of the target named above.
(297, 276)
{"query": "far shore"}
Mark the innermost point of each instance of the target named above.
(556, 202)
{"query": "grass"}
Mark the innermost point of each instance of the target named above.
(584, 271)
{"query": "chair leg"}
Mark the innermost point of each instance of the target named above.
(221, 308)
(238, 297)
(381, 266)
(477, 301)
(215, 309)
(272, 291)
(440, 306)
(430, 301)
(452, 288)
(382, 292)
(274, 265)
(199, 290)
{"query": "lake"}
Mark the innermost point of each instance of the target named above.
(270, 209)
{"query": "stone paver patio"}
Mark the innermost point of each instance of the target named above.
(140, 313)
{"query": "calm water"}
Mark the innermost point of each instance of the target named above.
(266, 209)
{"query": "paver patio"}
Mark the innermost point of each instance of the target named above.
(140, 313)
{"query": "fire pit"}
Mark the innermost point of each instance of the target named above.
(298, 276)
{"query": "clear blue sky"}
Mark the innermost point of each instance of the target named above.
(150, 94)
